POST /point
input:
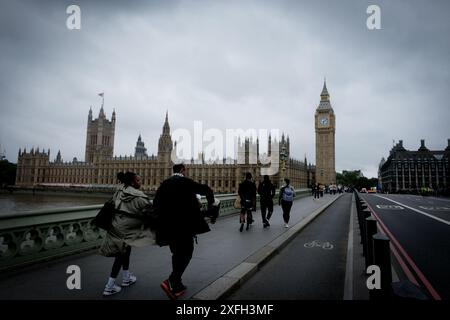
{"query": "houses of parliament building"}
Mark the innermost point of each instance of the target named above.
(100, 167)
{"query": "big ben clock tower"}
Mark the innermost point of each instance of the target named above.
(325, 124)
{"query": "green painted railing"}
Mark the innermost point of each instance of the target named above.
(38, 236)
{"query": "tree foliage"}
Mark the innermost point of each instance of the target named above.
(7, 173)
(355, 179)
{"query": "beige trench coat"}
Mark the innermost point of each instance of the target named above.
(127, 229)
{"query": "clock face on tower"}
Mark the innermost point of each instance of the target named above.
(324, 121)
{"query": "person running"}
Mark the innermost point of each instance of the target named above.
(179, 221)
(266, 191)
(126, 230)
(247, 193)
(286, 199)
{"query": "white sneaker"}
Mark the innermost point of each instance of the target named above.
(129, 281)
(111, 290)
(286, 225)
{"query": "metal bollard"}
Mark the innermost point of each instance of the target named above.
(382, 258)
(371, 230)
(365, 214)
(359, 211)
(363, 206)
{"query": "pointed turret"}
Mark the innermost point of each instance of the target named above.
(102, 113)
(113, 118)
(165, 145)
(324, 98)
(140, 151)
(58, 157)
(269, 150)
(166, 127)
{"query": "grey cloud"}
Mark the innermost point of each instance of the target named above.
(231, 64)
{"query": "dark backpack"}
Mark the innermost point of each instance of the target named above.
(104, 217)
(150, 217)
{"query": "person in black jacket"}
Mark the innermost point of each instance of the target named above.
(247, 193)
(266, 191)
(179, 221)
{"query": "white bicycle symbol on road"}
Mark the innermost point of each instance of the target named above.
(315, 243)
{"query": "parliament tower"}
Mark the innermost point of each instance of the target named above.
(325, 124)
(99, 137)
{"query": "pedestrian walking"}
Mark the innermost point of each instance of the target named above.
(247, 193)
(316, 191)
(266, 191)
(179, 221)
(127, 230)
(286, 199)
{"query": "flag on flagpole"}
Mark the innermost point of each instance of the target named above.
(101, 94)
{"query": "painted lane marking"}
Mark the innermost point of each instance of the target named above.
(410, 261)
(389, 207)
(418, 211)
(432, 208)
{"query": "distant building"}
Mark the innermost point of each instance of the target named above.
(412, 171)
(140, 152)
(100, 167)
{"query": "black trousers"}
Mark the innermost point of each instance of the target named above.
(182, 249)
(286, 206)
(266, 205)
(246, 210)
(121, 261)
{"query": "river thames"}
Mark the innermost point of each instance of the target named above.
(18, 203)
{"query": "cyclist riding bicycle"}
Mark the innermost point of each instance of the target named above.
(247, 193)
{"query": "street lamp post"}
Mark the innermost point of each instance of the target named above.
(283, 164)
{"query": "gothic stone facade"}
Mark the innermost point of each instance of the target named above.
(100, 169)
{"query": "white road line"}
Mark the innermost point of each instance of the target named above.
(348, 282)
(418, 211)
(439, 199)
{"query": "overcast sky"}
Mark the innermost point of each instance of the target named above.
(231, 64)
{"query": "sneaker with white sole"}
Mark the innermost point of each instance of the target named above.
(129, 281)
(111, 290)
(286, 225)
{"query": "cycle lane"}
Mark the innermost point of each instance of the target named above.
(312, 266)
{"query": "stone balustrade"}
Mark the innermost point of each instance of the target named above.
(38, 236)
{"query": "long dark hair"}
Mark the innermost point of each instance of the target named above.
(126, 178)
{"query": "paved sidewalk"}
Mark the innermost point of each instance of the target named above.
(217, 252)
